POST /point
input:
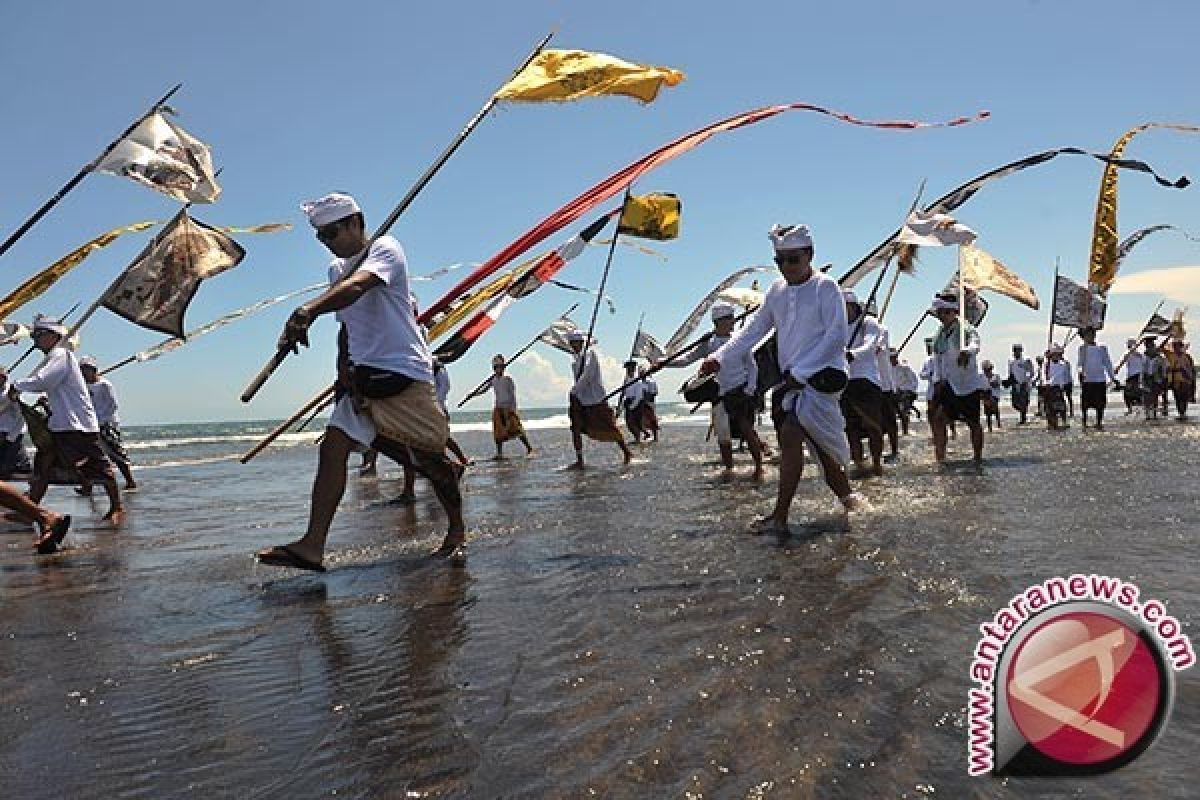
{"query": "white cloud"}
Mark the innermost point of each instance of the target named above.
(539, 383)
(1181, 284)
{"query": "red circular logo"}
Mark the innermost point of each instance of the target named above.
(1084, 688)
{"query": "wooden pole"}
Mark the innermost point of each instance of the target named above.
(1125, 358)
(83, 173)
(281, 353)
(283, 427)
(612, 248)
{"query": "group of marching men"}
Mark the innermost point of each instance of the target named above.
(76, 431)
(839, 382)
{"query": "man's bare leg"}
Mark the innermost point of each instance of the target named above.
(14, 500)
(443, 476)
(976, 439)
(791, 468)
(937, 427)
(528, 446)
(625, 451)
(458, 452)
(116, 510)
(756, 448)
(328, 487)
(726, 449)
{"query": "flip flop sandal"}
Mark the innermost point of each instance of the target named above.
(284, 556)
(52, 538)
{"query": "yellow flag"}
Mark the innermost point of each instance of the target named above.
(39, 283)
(560, 75)
(651, 216)
(981, 270)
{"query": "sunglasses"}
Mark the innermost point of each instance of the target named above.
(785, 260)
(329, 232)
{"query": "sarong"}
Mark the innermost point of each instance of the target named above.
(110, 438)
(412, 418)
(862, 406)
(506, 424)
(739, 411)
(820, 415)
(1094, 395)
(1056, 401)
(964, 407)
(1020, 396)
(83, 453)
(1133, 390)
(596, 422)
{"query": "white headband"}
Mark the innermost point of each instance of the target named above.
(329, 208)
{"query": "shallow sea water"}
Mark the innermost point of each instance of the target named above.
(615, 633)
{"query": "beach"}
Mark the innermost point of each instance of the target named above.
(615, 633)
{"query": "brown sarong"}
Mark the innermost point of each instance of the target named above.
(596, 422)
(506, 424)
(83, 453)
(412, 417)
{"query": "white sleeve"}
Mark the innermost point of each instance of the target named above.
(744, 340)
(386, 262)
(46, 376)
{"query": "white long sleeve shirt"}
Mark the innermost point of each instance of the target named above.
(883, 360)
(1134, 364)
(734, 372)
(505, 389)
(62, 382)
(104, 400)
(1095, 364)
(1058, 373)
(962, 380)
(1021, 370)
(927, 376)
(809, 321)
(633, 394)
(865, 350)
(589, 384)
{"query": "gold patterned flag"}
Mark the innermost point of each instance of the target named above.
(560, 75)
(981, 270)
(651, 216)
(1104, 260)
(155, 290)
(39, 283)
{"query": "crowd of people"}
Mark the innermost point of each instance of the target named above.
(816, 350)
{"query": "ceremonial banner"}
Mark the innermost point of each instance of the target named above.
(1102, 265)
(1176, 330)
(155, 290)
(163, 156)
(556, 335)
(981, 270)
(957, 197)
(1077, 306)
(617, 182)
(522, 286)
(1158, 324)
(926, 229)
(570, 287)
(681, 336)
(39, 283)
(560, 75)
(1132, 240)
(647, 347)
(746, 298)
(651, 216)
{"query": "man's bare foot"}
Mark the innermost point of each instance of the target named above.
(453, 547)
(576, 467)
(769, 524)
(115, 515)
(130, 487)
(855, 503)
(757, 475)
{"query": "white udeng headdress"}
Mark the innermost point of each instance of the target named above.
(329, 208)
(723, 311)
(42, 322)
(790, 237)
(941, 304)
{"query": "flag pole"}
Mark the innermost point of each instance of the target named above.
(325, 394)
(118, 365)
(913, 332)
(887, 301)
(879, 281)
(612, 248)
(483, 386)
(962, 303)
(1053, 308)
(281, 353)
(636, 336)
(83, 173)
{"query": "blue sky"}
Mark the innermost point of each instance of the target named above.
(300, 98)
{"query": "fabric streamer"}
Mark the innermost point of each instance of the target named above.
(1132, 240)
(957, 197)
(1102, 265)
(689, 326)
(616, 183)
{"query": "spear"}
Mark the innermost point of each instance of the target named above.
(83, 173)
(282, 352)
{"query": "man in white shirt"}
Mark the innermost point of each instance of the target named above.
(862, 401)
(927, 374)
(506, 420)
(104, 400)
(891, 399)
(441, 383)
(1134, 364)
(905, 379)
(73, 423)
(386, 395)
(12, 438)
(590, 414)
(632, 401)
(1095, 371)
(1020, 381)
(807, 313)
(649, 395)
(737, 381)
(1058, 377)
(958, 383)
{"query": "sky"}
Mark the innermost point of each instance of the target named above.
(297, 99)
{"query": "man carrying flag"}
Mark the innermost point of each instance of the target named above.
(958, 385)
(73, 422)
(386, 397)
(590, 414)
(807, 313)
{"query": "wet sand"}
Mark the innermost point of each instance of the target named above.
(616, 633)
